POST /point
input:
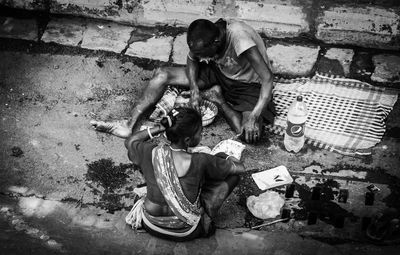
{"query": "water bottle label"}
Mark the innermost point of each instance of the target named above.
(295, 130)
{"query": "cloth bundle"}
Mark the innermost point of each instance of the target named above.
(344, 115)
(165, 104)
(171, 98)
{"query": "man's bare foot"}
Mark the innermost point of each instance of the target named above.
(214, 94)
(117, 128)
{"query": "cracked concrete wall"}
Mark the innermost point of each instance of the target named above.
(343, 22)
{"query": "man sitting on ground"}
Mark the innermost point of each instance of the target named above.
(228, 59)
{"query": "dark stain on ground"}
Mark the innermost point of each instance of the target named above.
(393, 200)
(329, 66)
(379, 176)
(107, 174)
(393, 132)
(315, 163)
(322, 205)
(111, 203)
(110, 176)
(16, 152)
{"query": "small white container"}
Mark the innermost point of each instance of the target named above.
(272, 178)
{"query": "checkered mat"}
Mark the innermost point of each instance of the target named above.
(344, 115)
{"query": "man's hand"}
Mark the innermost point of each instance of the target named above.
(250, 129)
(195, 99)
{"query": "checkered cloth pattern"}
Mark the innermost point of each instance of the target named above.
(344, 115)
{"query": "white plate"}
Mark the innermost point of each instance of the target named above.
(272, 178)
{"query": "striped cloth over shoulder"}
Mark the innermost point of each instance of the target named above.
(344, 115)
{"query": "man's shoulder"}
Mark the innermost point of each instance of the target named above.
(239, 26)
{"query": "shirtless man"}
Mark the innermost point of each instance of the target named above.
(228, 59)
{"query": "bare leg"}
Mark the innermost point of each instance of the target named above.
(151, 95)
(233, 117)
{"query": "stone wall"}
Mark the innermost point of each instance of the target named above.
(365, 23)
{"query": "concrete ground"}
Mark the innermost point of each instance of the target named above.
(66, 188)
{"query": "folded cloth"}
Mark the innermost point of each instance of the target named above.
(345, 115)
(165, 104)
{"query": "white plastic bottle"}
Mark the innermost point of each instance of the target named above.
(296, 120)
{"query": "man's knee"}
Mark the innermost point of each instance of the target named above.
(161, 76)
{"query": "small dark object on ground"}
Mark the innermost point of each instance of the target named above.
(343, 195)
(290, 190)
(286, 214)
(316, 193)
(373, 188)
(369, 198)
(16, 152)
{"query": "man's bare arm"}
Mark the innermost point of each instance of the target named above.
(257, 62)
(192, 69)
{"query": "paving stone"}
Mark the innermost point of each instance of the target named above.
(106, 36)
(25, 29)
(344, 56)
(64, 31)
(180, 50)
(292, 60)
(335, 61)
(387, 68)
(276, 18)
(361, 26)
(157, 48)
(176, 12)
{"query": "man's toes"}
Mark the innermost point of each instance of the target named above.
(102, 126)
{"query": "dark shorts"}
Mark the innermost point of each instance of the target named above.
(240, 95)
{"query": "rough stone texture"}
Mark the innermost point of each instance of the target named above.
(64, 31)
(176, 12)
(180, 50)
(344, 56)
(362, 26)
(292, 60)
(26, 29)
(127, 11)
(387, 68)
(24, 4)
(106, 36)
(88, 7)
(276, 18)
(158, 48)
